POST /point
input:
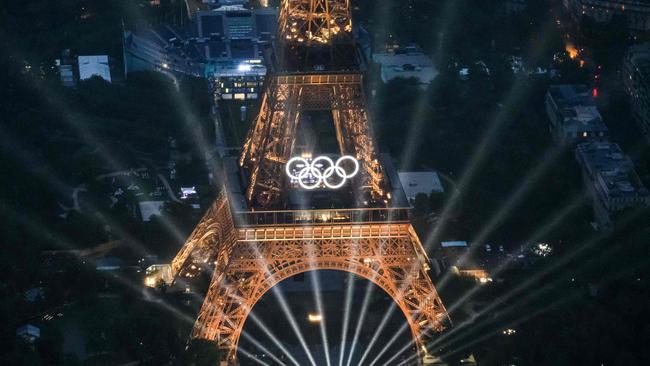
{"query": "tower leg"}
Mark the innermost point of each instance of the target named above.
(386, 254)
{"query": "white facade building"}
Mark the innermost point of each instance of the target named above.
(409, 62)
(573, 115)
(414, 183)
(29, 332)
(90, 66)
(611, 180)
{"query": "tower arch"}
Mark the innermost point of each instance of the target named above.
(255, 235)
(269, 318)
(385, 254)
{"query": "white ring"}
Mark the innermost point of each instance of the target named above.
(305, 172)
(287, 167)
(340, 172)
(314, 167)
(320, 172)
(356, 165)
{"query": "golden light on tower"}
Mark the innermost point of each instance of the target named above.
(257, 239)
(317, 21)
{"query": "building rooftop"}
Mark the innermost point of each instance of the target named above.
(610, 169)
(465, 256)
(108, 264)
(420, 182)
(149, 209)
(29, 332)
(97, 65)
(234, 31)
(409, 62)
(236, 68)
(451, 244)
(573, 114)
(569, 95)
(225, 34)
(576, 103)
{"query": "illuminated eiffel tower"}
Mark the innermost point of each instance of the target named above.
(259, 231)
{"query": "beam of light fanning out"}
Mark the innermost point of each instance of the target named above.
(378, 332)
(279, 296)
(319, 307)
(349, 293)
(359, 324)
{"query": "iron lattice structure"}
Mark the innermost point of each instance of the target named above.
(270, 141)
(249, 250)
(214, 234)
(315, 21)
(249, 260)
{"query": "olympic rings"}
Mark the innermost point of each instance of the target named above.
(312, 174)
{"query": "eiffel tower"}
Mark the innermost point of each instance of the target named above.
(282, 211)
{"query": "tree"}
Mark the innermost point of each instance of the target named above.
(421, 204)
(436, 201)
(201, 352)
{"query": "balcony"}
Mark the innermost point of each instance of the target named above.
(320, 217)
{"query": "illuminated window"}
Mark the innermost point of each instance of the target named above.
(240, 96)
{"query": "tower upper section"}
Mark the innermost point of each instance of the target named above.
(315, 35)
(315, 22)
